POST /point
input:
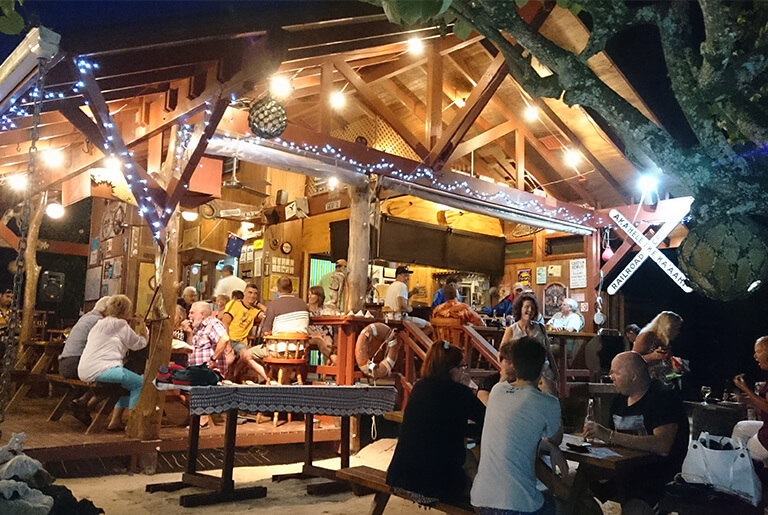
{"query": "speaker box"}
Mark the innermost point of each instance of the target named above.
(51, 287)
(271, 215)
(281, 198)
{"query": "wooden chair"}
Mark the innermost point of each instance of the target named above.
(286, 353)
(448, 329)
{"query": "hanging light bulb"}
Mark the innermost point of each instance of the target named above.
(54, 210)
(608, 252)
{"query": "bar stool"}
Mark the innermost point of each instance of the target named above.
(286, 353)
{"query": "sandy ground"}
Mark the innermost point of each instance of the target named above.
(124, 494)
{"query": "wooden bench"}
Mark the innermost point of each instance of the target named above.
(365, 480)
(75, 387)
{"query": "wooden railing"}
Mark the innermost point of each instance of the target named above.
(416, 344)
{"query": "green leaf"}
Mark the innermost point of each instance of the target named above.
(446, 5)
(7, 6)
(576, 8)
(12, 24)
(462, 29)
(521, 3)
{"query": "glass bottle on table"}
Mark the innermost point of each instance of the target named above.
(589, 417)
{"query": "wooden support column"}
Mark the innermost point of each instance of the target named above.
(148, 413)
(326, 90)
(31, 268)
(593, 272)
(434, 125)
(359, 246)
(520, 159)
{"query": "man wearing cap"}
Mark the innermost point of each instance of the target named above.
(6, 300)
(396, 299)
(228, 282)
(333, 285)
(504, 308)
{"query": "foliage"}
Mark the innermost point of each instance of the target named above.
(11, 22)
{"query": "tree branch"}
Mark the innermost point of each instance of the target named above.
(721, 36)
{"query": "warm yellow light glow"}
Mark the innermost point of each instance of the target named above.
(54, 210)
(280, 86)
(18, 182)
(459, 102)
(415, 46)
(189, 216)
(113, 163)
(53, 158)
(572, 158)
(531, 113)
(338, 100)
(333, 182)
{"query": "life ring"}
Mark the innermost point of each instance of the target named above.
(370, 340)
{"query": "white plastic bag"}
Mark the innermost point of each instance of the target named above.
(728, 470)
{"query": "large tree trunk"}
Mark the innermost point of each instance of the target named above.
(31, 268)
(147, 415)
(359, 246)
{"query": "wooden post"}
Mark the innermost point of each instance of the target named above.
(31, 268)
(148, 413)
(359, 246)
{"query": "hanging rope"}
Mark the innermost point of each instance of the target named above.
(10, 337)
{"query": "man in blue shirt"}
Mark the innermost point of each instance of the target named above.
(439, 297)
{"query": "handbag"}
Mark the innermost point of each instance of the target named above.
(723, 463)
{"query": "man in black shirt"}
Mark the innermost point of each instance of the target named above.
(647, 417)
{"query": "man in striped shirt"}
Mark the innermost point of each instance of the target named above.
(287, 313)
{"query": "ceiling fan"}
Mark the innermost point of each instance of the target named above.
(246, 186)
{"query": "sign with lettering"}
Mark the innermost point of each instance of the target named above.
(648, 249)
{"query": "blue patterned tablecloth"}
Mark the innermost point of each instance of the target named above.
(314, 399)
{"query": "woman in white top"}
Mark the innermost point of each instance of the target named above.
(525, 311)
(108, 343)
(567, 319)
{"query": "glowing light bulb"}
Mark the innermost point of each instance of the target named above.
(572, 158)
(415, 46)
(189, 216)
(18, 182)
(53, 158)
(54, 210)
(647, 183)
(333, 182)
(280, 87)
(531, 113)
(113, 163)
(338, 100)
(460, 102)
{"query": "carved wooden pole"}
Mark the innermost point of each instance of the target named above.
(147, 415)
(31, 268)
(359, 245)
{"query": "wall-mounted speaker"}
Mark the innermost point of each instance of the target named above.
(51, 287)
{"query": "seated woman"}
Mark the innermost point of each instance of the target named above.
(567, 319)
(754, 432)
(428, 460)
(653, 343)
(104, 355)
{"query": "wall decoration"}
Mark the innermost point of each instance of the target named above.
(234, 245)
(553, 294)
(554, 270)
(578, 273)
(541, 275)
(92, 283)
(524, 277)
(273, 284)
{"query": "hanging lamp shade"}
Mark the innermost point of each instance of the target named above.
(267, 118)
(724, 259)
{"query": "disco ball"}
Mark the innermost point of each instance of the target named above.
(267, 118)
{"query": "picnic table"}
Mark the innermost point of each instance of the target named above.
(340, 401)
(561, 338)
(37, 359)
(599, 462)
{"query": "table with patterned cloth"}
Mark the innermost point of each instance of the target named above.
(340, 401)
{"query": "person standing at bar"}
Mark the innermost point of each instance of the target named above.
(396, 299)
(439, 297)
(228, 283)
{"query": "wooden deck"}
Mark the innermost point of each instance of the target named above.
(65, 440)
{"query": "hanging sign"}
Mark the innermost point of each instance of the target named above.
(648, 249)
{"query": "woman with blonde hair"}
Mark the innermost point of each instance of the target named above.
(429, 458)
(653, 342)
(104, 356)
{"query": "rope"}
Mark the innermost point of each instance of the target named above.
(10, 337)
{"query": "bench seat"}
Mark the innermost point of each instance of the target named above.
(365, 480)
(75, 387)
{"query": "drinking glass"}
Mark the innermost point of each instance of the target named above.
(759, 386)
(705, 391)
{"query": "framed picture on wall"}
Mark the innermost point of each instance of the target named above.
(554, 293)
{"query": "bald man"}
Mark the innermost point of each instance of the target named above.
(647, 417)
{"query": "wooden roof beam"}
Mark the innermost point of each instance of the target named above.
(373, 101)
(489, 136)
(478, 99)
